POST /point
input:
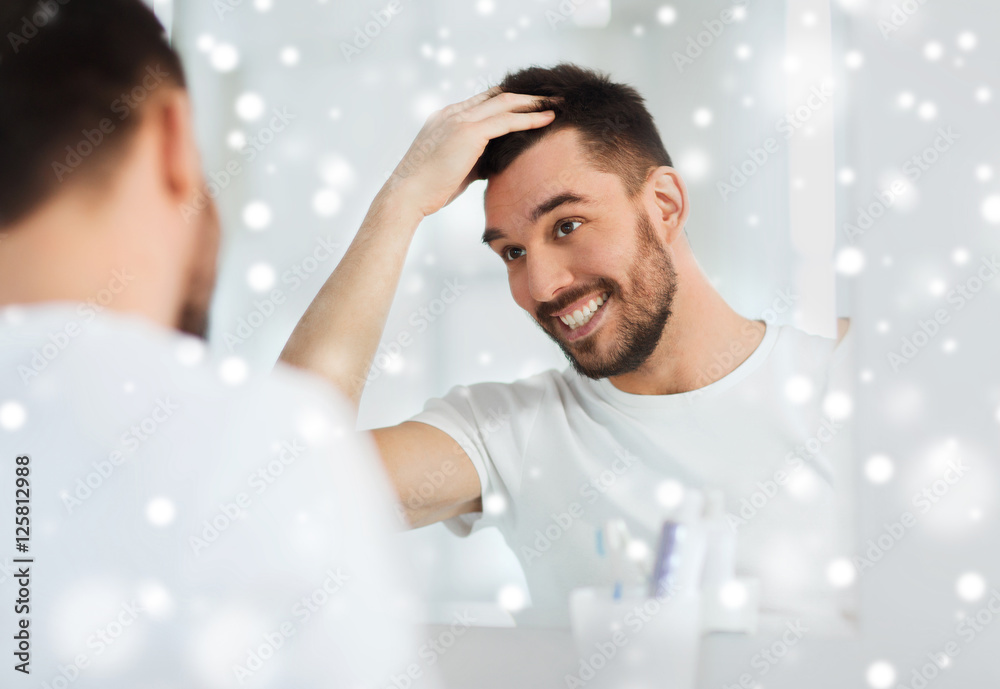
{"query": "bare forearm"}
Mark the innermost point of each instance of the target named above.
(340, 331)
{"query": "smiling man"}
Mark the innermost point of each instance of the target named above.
(667, 385)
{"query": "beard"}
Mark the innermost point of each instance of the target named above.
(193, 316)
(641, 311)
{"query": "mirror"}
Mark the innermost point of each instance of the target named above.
(318, 103)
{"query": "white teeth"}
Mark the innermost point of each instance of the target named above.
(581, 316)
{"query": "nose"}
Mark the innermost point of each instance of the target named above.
(548, 273)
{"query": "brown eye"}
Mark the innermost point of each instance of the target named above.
(506, 253)
(570, 224)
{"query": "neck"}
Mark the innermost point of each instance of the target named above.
(71, 250)
(703, 341)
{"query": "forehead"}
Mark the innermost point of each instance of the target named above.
(557, 163)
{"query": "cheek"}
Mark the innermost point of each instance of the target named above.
(610, 261)
(519, 291)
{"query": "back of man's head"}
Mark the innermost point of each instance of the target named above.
(73, 76)
(610, 117)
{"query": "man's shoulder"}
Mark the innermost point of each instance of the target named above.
(525, 390)
(57, 346)
(791, 336)
(497, 401)
(821, 351)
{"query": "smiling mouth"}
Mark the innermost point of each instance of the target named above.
(582, 316)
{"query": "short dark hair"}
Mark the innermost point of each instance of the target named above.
(70, 74)
(611, 118)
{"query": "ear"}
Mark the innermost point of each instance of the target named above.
(181, 165)
(671, 201)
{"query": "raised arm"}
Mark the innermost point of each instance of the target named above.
(339, 333)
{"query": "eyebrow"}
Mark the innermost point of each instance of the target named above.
(550, 204)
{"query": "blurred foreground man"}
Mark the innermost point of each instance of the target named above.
(168, 521)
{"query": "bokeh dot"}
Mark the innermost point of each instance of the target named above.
(289, 56)
(512, 597)
(850, 260)
(12, 415)
(840, 573)
(261, 276)
(881, 675)
(670, 493)
(257, 215)
(933, 51)
(326, 203)
(161, 511)
(970, 586)
(249, 106)
(733, 594)
(666, 15)
(224, 57)
(967, 40)
(233, 370)
(798, 389)
(879, 469)
(991, 209)
(190, 351)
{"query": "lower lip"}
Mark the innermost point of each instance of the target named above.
(590, 326)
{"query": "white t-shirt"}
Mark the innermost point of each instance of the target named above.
(192, 524)
(558, 454)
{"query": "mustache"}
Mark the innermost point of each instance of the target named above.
(548, 309)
